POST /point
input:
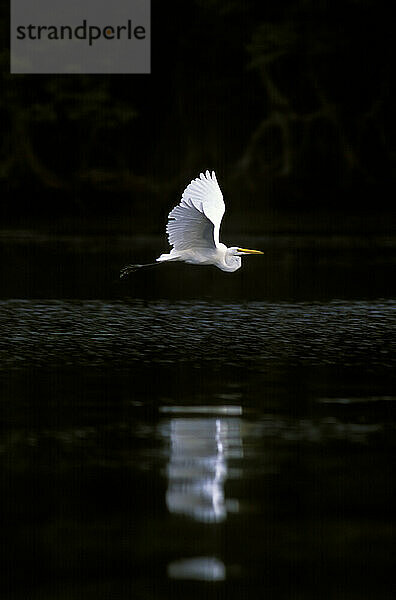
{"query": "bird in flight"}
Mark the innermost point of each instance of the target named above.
(193, 230)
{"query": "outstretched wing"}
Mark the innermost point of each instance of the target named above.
(195, 222)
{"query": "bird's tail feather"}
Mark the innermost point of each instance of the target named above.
(163, 258)
(167, 257)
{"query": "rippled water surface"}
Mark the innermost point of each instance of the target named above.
(175, 447)
(118, 334)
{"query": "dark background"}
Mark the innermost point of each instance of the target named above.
(290, 102)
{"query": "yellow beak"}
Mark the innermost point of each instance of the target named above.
(247, 251)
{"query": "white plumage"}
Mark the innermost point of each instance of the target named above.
(194, 228)
(195, 222)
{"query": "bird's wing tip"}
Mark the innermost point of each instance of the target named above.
(207, 175)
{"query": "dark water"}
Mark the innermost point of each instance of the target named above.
(170, 441)
(305, 267)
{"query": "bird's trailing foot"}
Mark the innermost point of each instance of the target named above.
(133, 268)
(128, 269)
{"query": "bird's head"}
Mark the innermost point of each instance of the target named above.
(236, 251)
(233, 255)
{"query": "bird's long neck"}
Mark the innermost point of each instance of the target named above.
(230, 262)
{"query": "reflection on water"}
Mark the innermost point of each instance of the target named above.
(199, 450)
(197, 468)
(202, 568)
(129, 487)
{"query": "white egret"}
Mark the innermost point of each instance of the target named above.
(193, 229)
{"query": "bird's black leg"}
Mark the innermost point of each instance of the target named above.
(133, 268)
